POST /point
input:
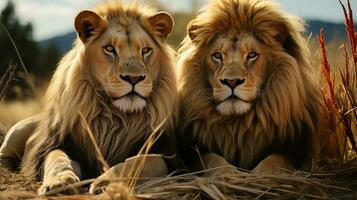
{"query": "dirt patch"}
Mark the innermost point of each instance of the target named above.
(14, 184)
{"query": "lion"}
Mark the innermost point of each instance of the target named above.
(120, 76)
(247, 97)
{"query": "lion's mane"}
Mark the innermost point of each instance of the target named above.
(73, 90)
(284, 118)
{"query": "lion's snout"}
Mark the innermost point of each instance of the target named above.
(133, 80)
(232, 83)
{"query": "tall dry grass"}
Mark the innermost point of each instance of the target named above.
(7, 78)
(339, 89)
(11, 112)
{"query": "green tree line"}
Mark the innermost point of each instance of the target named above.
(39, 61)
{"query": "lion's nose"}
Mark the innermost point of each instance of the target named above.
(133, 79)
(232, 83)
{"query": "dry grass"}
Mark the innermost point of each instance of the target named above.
(7, 78)
(335, 184)
(339, 90)
(13, 182)
(11, 112)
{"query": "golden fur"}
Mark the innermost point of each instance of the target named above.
(87, 81)
(276, 110)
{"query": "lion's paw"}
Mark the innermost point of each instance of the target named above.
(61, 180)
(98, 184)
(225, 172)
(274, 163)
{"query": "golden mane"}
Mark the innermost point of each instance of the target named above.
(286, 115)
(73, 90)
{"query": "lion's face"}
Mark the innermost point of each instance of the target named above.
(124, 60)
(236, 71)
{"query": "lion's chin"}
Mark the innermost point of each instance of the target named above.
(130, 104)
(233, 107)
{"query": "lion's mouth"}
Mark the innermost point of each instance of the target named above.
(233, 105)
(130, 102)
(235, 98)
(131, 95)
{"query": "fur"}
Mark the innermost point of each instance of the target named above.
(284, 118)
(73, 90)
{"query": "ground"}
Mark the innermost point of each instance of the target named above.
(327, 183)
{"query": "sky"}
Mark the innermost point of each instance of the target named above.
(55, 17)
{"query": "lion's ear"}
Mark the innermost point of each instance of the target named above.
(281, 33)
(193, 30)
(87, 23)
(286, 37)
(163, 23)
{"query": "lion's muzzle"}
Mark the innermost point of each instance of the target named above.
(232, 83)
(138, 89)
(133, 80)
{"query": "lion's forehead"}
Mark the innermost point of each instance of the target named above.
(234, 47)
(130, 26)
(129, 33)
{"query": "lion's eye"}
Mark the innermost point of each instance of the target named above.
(109, 49)
(217, 56)
(252, 56)
(146, 51)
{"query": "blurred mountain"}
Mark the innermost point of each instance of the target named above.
(333, 31)
(62, 42)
